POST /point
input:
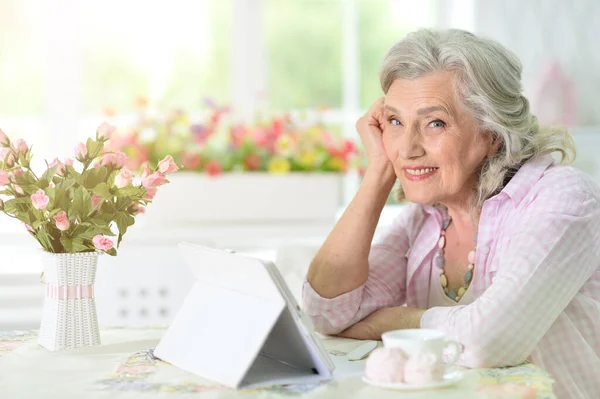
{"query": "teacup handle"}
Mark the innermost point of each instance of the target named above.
(458, 349)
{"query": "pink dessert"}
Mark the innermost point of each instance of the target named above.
(423, 368)
(386, 365)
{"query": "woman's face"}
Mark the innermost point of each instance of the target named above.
(432, 141)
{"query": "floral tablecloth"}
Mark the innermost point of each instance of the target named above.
(124, 367)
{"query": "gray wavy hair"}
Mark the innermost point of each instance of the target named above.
(488, 79)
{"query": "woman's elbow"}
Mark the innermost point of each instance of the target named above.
(325, 327)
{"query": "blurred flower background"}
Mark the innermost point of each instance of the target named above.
(216, 143)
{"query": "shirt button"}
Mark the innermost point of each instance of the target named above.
(485, 249)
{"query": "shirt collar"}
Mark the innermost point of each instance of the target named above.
(525, 178)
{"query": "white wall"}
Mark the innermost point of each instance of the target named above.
(541, 31)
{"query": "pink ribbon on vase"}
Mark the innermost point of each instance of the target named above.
(69, 291)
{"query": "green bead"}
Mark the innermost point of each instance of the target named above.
(468, 276)
(452, 294)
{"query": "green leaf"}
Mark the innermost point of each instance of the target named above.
(49, 173)
(123, 220)
(25, 179)
(95, 176)
(16, 206)
(135, 193)
(82, 203)
(93, 147)
(112, 252)
(103, 190)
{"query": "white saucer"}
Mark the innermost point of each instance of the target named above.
(450, 378)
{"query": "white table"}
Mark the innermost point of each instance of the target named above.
(122, 368)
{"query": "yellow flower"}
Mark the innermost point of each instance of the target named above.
(337, 163)
(279, 165)
(307, 158)
(284, 144)
(314, 133)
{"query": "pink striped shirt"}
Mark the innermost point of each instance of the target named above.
(536, 282)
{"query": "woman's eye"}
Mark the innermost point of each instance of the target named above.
(394, 122)
(437, 123)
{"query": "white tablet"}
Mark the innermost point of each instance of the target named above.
(241, 326)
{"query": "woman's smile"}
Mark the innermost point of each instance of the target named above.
(419, 173)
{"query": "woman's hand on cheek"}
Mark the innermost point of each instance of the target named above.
(370, 128)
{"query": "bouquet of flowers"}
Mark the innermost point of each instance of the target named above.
(73, 207)
(217, 145)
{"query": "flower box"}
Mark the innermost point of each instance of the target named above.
(246, 197)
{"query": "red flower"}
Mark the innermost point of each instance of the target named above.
(253, 162)
(190, 161)
(213, 168)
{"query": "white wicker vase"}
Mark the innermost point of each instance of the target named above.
(69, 317)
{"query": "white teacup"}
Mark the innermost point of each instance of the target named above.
(420, 341)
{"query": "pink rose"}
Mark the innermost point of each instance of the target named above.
(167, 165)
(117, 160)
(20, 146)
(96, 199)
(146, 171)
(54, 163)
(154, 180)
(62, 221)
(150, 193)
(96, 165)
(3, 138)
(29, 228)
(102, 243)
(4, 180)
(15, 173)
(138, 209)
(40, 200)
(123, 178)
(68, 161)
(105, 130)
(10, 159)
(80, 151)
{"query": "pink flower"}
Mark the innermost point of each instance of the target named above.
(154, 180)
(96, 199)
(15, 173)
(40, 200)
(167, 165)
(96, 165)
(62, 221)
(137, 208)
(20, 146)
(80, 151)
(117, 160)
(3, 138)
(54, 163)
(123, 178)
(4, 180)
(29, 228)
(146, 171)
(68, 161)
(150, 193)
(102, 243)
(105, 130)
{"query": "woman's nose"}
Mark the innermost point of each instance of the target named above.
(409, 144)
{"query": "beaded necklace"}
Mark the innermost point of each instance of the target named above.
(455, 295)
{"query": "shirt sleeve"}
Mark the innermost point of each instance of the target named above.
(385, 286)
(553, 253)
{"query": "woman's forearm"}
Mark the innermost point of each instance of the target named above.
(341, 264)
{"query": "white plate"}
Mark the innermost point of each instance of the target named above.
(450, 378)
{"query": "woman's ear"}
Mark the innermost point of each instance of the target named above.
(494, 146)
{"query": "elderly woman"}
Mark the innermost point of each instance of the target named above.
(500, 246)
